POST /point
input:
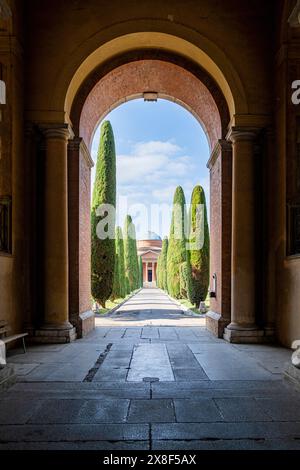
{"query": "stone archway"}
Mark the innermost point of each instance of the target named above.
(232, 132)
(171, 77)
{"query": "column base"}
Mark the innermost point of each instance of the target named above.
(87, 323)
(7, 377)
(292, 374)
(216, 324)
(54, 334)
(248, 335)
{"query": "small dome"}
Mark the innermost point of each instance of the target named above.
(150, 236)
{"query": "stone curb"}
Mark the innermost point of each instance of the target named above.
(110, 312)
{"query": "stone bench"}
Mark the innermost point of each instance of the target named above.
(10, 339)
(4, 329)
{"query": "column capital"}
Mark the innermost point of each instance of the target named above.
(238, 134)
(57, 131)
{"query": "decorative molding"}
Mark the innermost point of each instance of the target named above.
(57, 131)
(238, 133)
(221, 145)
(86, 154)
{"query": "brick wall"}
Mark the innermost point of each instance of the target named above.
(84, 236)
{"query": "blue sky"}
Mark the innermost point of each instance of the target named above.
(159, 146)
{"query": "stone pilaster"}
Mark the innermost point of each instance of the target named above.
(220, 166)
(79, 182)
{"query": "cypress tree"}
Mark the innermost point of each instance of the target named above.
(158, 272)
(121, 262)
(119, 287)
(163, 265)
(130, 255)
(103, 251)
(177, 244)
(199, 238)
(141, 278)
(116, 284)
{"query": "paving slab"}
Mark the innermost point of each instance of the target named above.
(241, 409)
(196, 431)
(18, 410)
(78, 446)
(150, 360)
(219, 444)
(74, 433)
(281, 409)
(197, 411)
(151, 411)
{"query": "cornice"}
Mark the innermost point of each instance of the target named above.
(221, 145)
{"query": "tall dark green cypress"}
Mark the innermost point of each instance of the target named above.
(103, 251)
(199, 237)
(158, 272)
(121, 262)
(117, 281)
(141, 271)
(130, 255)
(163, 265)
(177, 244)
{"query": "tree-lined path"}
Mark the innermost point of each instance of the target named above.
(150, 307)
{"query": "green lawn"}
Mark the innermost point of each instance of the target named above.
(191, 307)
(110, 304)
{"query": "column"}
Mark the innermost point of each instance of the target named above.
(154, 272)
(243, 326)
(56, 328)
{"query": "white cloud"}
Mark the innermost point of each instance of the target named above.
(152, 161)
(164, 194)
(155, 147)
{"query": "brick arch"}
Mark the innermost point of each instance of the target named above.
(128, 76)
(173, 76)
(130, 81)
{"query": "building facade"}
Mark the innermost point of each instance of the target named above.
(149, 249)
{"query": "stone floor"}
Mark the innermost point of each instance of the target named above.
(150, 377)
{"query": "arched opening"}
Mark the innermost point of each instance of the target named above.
(164, 76)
